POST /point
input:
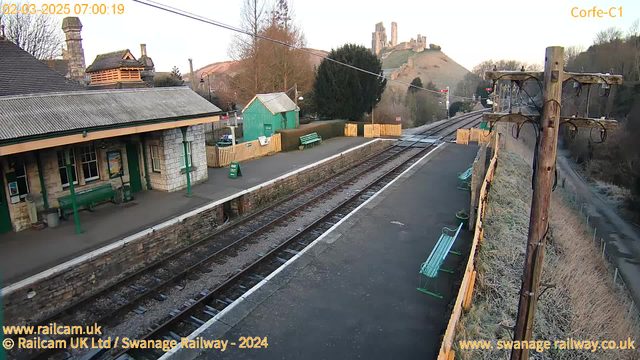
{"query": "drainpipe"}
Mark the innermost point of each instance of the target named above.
(144, 158)
(42, 184)
(73, 192)
(186, 158)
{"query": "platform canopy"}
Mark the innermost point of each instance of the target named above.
(37, 121)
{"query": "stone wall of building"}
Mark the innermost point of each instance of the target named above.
(157, 178)
(175, 173)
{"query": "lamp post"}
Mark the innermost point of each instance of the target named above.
(208, 83)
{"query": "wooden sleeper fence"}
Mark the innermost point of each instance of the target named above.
(378, 130)
(464, 136)
(219, 157)
(351, 130)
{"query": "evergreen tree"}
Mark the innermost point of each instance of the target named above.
(415, 82)
(175, 73)
(342, 92)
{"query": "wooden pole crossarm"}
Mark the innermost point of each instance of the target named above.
(514, 75)
(583, 78)
(579, 122)
(592, 78)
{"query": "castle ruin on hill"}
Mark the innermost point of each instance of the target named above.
(379, 40)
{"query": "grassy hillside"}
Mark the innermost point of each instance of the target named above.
(429, 65)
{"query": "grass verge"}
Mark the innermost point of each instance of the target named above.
(585, 303)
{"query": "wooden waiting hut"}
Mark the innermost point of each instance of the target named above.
(266, 113)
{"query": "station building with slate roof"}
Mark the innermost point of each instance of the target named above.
(133, 138)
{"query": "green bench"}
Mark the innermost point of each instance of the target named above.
(86, 198)
(432, 266)
(310, 139)
(463, 179)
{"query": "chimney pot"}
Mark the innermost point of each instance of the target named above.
(143, 49)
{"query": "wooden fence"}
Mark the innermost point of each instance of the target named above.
(465, 294)
(378, 130)
(351, 130)
(464, 136)
(219, 157)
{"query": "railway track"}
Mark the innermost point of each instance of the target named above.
(109, 306)
(201, 309)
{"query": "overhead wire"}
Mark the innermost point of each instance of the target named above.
(203, 19)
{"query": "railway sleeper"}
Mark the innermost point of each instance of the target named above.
(160, 297)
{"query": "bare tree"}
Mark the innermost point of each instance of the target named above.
(38, 34)
(634, 29)
(265, 66)
(571, 54)
(244, 48)
(608, 35)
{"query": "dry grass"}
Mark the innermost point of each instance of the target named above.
(585, 304)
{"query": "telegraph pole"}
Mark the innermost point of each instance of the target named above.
(542, 184)
(548, 122)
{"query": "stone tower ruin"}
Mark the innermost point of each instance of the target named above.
(378, 39)
(394, 34)
(74, 54)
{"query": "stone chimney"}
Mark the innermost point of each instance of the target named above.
(74, 54)
(149, 71)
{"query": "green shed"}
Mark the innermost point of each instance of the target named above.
(267, 113)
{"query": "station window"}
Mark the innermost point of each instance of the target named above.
(155, 158)
(21, 179)
(63, 169)
(188, 153)
(89, 163)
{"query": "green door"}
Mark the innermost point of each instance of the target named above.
(5, 218)
(134, 168)
(268, 130)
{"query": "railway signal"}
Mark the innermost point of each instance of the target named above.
(548, 123)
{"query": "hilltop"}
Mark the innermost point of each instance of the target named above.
(223, 71)
(429, 65)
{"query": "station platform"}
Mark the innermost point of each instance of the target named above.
(29, 252)
(352, 293)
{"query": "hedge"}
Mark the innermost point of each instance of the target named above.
(291, 137)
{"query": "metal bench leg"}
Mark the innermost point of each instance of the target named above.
(426, 284)
(455, 252)
(446, 270)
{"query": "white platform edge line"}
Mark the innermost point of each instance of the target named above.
(122, 243)
(256, 287)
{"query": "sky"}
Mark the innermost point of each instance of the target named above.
(468, 31)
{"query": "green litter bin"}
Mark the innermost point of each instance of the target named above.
(463, 218)
(126, 193)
